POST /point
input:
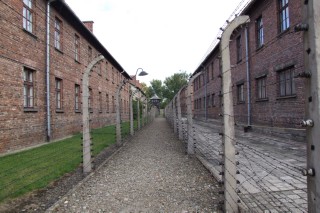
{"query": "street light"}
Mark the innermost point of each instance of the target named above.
(142, 73)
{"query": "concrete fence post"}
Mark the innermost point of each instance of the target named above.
(180, 132)
(312, 121)
(230, 183)
(118, 113)
(174, 111)
(138, 112)
(131, 112)
(189, 115)
(86, 137)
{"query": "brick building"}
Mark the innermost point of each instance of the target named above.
(27, 64)
(266, 91)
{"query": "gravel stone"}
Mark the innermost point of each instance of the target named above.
(150, 173)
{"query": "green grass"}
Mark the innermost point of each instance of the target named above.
(36, 168)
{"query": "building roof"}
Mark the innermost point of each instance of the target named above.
(65, 11)
(155, 97)
(248, 6)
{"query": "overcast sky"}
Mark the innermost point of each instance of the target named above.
(162, 37)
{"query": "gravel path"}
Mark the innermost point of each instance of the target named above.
(150, 173)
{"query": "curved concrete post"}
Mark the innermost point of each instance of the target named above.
(179, 115)
(118, 114)
(138, 112)
(174, 110)
(189, 115)
(131, 112)
(87, 167)
(230, 183)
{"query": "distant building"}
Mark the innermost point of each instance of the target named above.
(24, 64)
(267, 94)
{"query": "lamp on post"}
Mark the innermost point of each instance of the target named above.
(141, 73)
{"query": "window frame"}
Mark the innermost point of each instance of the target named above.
(212, 100)
(28, 16)
(108, 103)
(284, 17)
(239, 48)
(259, 32)
(100, 102)
(28, 88)
(113, 105)
(58, 34)
(90, 99)
(77, 97)
(212, 71)
(240, 93)
(59, 93)
(286, 83)
(76, 48)
(262, 88)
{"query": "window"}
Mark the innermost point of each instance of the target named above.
(240, 92)
(100, 102)
(212, 100)
(107, 70)
(90, 100)
(77, 97)
(239, 49)
(112, 71)
(89, 54)
(208, 75)
(57, 33)
(100, 67)
(287, 86)
(212, 74)
(283, 15)
(58, 93)
(108, 104)
(76, 47)
(261, 86)
(27, 15)
(28, 91)
(220, 65)
(260, 38)
(113, 105)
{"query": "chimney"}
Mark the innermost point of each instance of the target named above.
(89, 25)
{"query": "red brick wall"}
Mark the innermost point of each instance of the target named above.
(19, 49)
(279, 50)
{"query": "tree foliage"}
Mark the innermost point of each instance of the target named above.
(167, 90)
(173, 84)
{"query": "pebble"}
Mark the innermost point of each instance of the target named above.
(151, 173)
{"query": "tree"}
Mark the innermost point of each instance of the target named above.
(157, 88)
(173, 84)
